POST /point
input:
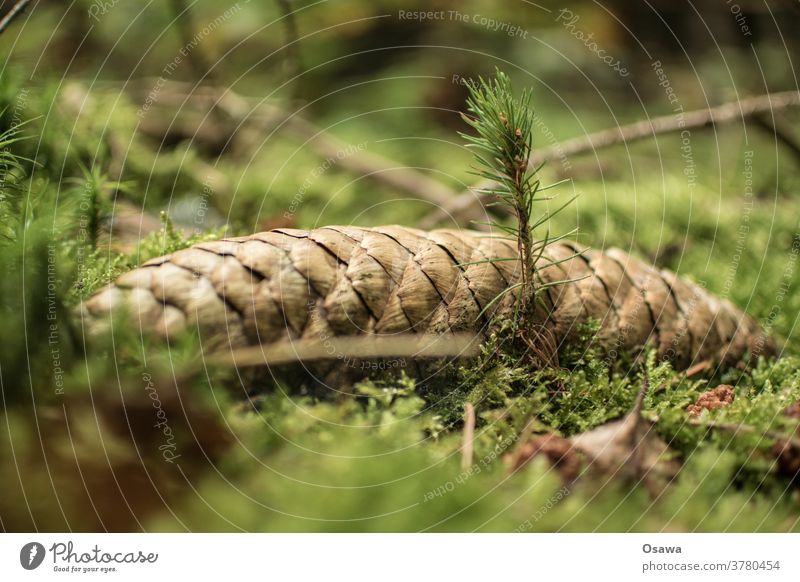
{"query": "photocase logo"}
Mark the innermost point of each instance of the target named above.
(31, 555)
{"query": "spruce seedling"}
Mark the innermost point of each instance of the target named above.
(503, 148)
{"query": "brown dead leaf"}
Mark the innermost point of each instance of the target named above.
(629, 449)
(558, 451)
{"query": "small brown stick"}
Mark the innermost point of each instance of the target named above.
(469, 436)
(15, 11)
(461, 345)
(697, 368)
(467, 206)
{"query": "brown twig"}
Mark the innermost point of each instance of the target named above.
(697, 368)
(469, 436)
(467, 206)
(457, 345)
(15, 11)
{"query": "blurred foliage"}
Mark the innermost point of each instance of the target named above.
(83, 448)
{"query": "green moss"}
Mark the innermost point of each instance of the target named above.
(387, 456)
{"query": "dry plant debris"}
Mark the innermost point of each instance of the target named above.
(714, 399)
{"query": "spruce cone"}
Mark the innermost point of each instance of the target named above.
(347, 280)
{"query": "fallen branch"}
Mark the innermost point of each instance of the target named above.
(468, 205)
(15, 11)
(245, 112)
(458, 345)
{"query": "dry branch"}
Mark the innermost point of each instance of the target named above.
(462, 345)
(467, 206)
(15, 11)
(250, 113)
(345, 281)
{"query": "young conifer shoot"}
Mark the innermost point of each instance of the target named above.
(503, 148)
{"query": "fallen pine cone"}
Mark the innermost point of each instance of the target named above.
(339, 280)
(719, 397)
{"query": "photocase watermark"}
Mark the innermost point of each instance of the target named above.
(170, 68)
(491, 24)
(67, 559)
(85, 211)
(687, 155)
(569, 20)
(20, 105)
(620, 340)
(664, 83)
(372, 365)
(31, 555)
(53, 335)
(329, 346)
(169, 448)
(553, 500)
(787, 279)
(319, 170)
(688, 313)
(202, 204)
(101, 8)
(741, 19)
(744, 224)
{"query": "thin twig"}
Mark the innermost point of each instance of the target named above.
(349, 348)
(467, 206)
(15, 11)
(697, 368)
(469, 436)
